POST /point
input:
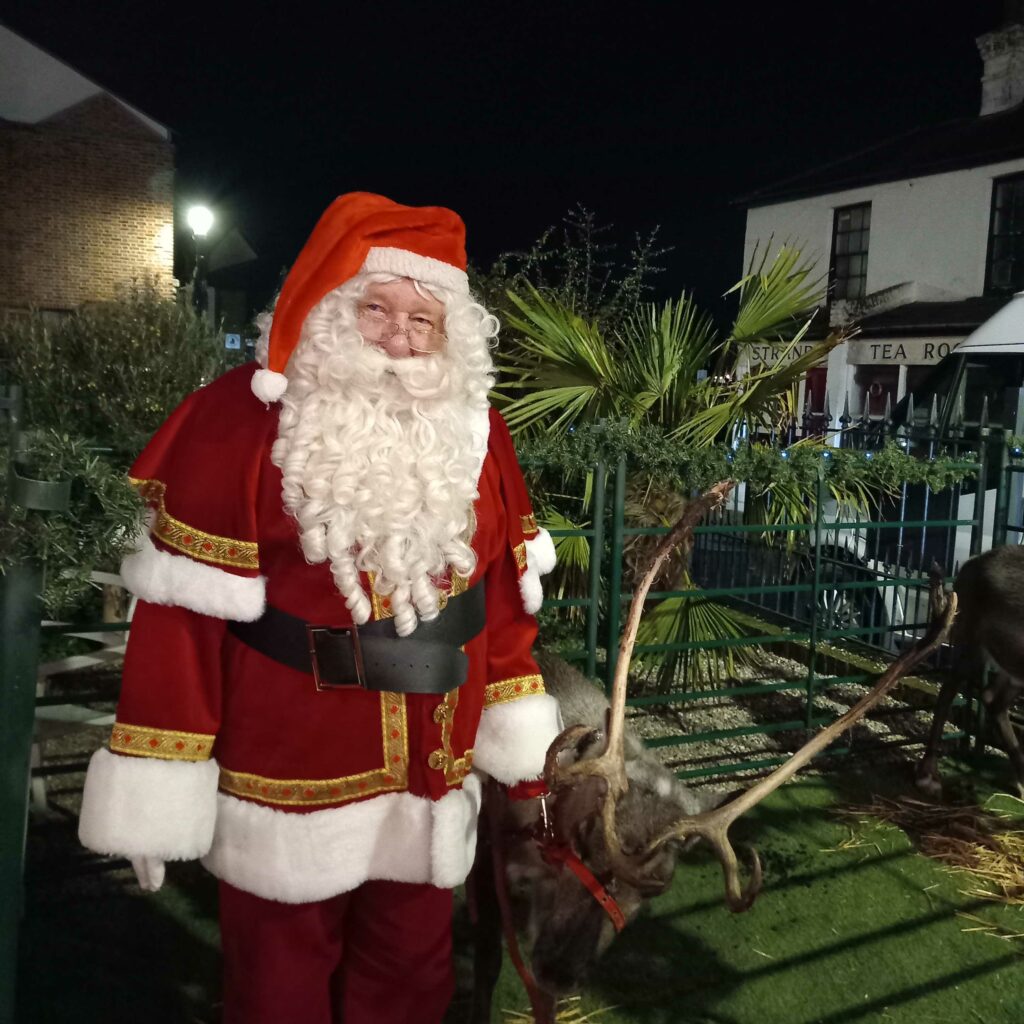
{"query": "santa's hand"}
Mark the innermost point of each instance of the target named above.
(149, 871)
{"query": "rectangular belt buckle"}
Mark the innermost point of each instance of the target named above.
(313, 633)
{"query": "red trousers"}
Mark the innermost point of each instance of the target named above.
(381, 954)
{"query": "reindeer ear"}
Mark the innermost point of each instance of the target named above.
(590, 743)
(576, 805)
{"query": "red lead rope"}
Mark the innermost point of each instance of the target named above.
(557, 854)
(560, 853)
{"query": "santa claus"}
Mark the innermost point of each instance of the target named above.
(333, 631)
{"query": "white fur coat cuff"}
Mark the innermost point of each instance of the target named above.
(540, 560)
(514, 737)
(145, 806)
(162, 578)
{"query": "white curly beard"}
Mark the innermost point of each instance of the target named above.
(380, 460)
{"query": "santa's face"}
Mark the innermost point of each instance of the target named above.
(400, 320)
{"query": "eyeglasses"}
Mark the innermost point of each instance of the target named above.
(421, 335)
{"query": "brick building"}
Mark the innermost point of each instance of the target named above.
(86, 186)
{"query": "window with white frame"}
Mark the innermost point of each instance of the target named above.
(848, 269)
(1004, 272)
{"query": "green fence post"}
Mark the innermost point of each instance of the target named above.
(812, 661)
(596, 559)
(1001, 512)
(615, 574)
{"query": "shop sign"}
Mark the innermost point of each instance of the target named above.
(909, 351)
(769, 355)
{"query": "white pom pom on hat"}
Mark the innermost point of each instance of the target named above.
(361, 231)
(269, 386)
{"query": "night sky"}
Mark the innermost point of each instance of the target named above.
(648, 114)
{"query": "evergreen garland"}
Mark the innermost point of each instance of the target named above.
(682, 466)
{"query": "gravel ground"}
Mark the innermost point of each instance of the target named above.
(894, 730)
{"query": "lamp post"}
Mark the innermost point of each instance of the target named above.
(200, 220)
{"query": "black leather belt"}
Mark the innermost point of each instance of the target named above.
(373, 656)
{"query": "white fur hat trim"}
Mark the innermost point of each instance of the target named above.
(388, 260)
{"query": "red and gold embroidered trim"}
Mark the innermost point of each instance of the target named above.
(529, 524)
(204, 547)
(382, 605)
(393, 775)
(459, 769)
(520, 555)
(512, 689)
(163, 743)
(446, 710)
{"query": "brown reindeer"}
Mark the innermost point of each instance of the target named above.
(621, 815)
(989, 626)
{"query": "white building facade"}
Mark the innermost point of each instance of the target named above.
(922, 238)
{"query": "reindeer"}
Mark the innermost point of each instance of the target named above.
(990, 590)
(608, 835)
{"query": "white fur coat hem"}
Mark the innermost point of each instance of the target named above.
(302, 858)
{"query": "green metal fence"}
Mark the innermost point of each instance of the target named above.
(834, 594)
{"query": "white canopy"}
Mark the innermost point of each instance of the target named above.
(1003, 332)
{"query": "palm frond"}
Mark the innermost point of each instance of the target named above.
(776, 298)
(664, 348)
(559, 364)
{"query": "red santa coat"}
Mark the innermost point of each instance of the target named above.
(222, 753)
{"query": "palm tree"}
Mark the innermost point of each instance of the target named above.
(666, 366)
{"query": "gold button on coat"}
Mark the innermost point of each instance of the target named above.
(441, 714)
(438, 760)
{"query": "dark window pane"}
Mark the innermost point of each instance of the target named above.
(842, 266)
(842, 244)
(866, 215)
(842, 220)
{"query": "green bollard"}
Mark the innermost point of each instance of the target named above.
(20, 616)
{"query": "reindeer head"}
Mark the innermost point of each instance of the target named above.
(567, 927)
(625, 830)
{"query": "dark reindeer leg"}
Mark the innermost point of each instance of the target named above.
(487, 952)
(1004, 691)
(927, 775)
(968, 664)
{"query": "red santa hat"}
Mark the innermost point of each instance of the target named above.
(361, 232)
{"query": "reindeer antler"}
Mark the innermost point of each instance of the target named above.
(610, 766)
(714, 825)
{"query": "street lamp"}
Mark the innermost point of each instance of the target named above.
(200, 220)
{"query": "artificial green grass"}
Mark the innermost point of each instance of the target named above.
(863, 934)
(837, 935)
